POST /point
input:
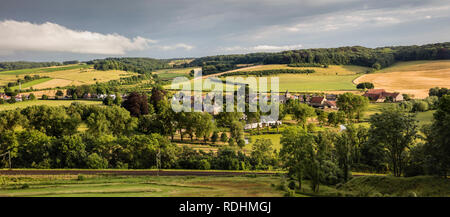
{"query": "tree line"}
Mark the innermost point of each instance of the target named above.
(6, 66)
(376, 58)
(261, 73)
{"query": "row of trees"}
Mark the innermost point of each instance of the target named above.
(261, 73)
(307, 65)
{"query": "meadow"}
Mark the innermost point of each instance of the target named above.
(28, 103)
(365, 185)
(139, 186)
(333, 78)
(274, 138)
(413, 77)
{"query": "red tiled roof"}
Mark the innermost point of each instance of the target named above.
(375, 91)
(316, 99)
(331, 103)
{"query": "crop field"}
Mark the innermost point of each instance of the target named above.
(32, 83)
(139, 186)
(333, 78)
(414, 77)
(46, 102)
(63, 76)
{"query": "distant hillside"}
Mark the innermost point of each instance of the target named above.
(357, 55)
(7, 66)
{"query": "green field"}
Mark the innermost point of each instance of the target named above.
(378, 186)
(46, 102)
(425, 117)
(333, 78)
(32, 83)
(139, 186)
(274, 138)
(422, 117)
(212, 186)
(42, 70)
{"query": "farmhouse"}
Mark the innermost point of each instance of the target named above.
(4, 96)
(380, 95)
(317, 101)
(330, 104)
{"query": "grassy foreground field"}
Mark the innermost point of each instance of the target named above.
(139, 186)
(212, 186)
(414, 77)
(46, 102)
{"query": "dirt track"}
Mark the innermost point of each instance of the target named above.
(128, 172)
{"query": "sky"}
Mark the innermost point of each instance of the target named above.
(59, 30)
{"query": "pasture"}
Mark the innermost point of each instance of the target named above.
(333, 78)
(414, 77)
(422, 117)
(106, 185)
(45, 102)
(139, 186)
(274, 138)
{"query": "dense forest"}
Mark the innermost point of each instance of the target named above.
(356, 55)
(6, 66)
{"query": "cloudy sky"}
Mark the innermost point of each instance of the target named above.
(44, 30)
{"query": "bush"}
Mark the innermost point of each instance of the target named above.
(94, 161)
(240, 143)
(365, 85)
(204, 164)
(31, 96)
(231, 142)
(283, 185)
(44, 97)
(81, 178)
(291, 185)
(290, 193)
(223, 137)
(214, 137)
(420, 106)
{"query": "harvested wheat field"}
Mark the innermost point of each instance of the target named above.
(55, 83)
(414, 78)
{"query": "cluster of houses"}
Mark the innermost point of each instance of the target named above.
(326, 101)
(18, 97)
(96, 96)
